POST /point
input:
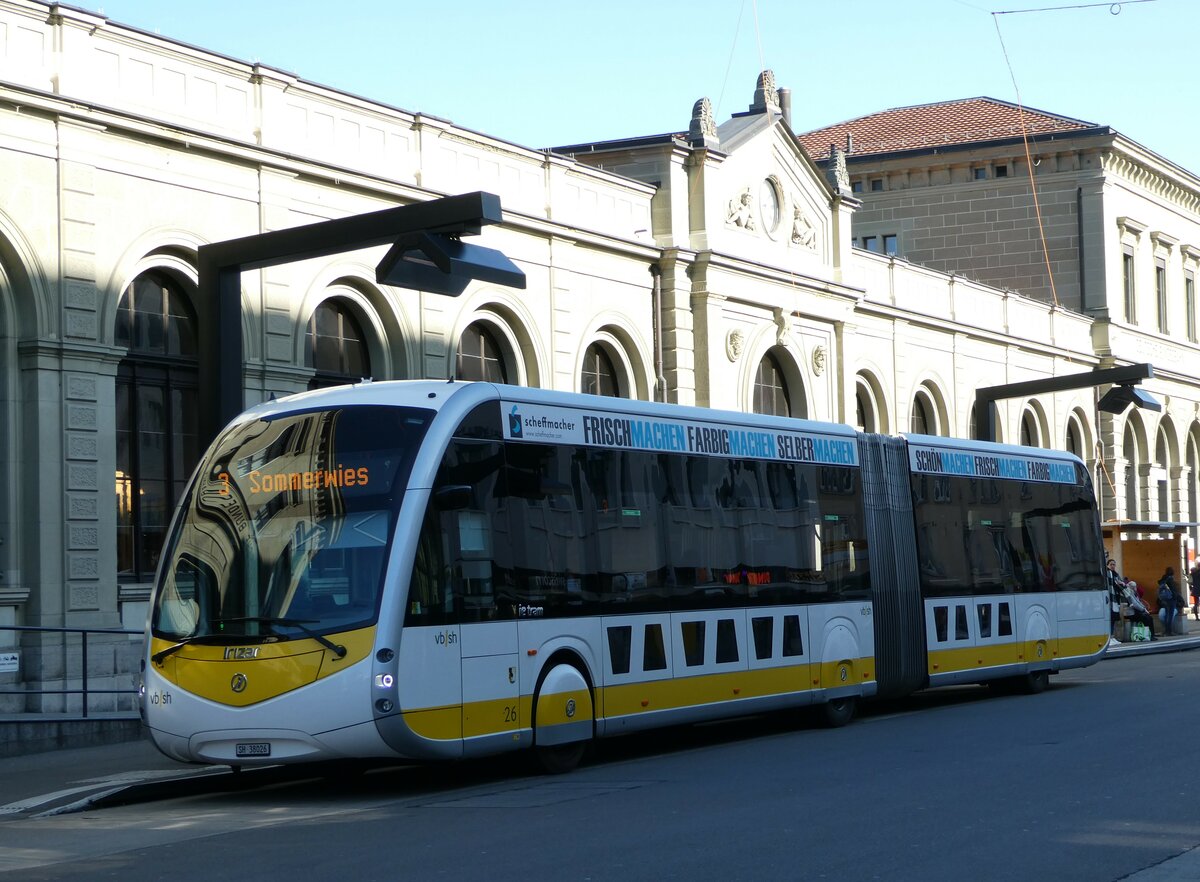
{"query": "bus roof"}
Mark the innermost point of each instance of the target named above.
(434, 395)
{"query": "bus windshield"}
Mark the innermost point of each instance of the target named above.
(286, 529)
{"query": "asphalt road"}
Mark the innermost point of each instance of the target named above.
(1092, 780)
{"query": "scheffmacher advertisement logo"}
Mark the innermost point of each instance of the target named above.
(533, 423)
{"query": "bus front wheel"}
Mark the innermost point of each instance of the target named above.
(563, 717)
(558, 759)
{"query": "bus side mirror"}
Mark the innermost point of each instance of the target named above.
(453, 497)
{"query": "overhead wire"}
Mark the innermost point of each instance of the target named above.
(1115, 9)
(1114, 6)
(1028, 163)
(729, 65)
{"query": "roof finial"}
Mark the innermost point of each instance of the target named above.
(702, 132)
(766, 96)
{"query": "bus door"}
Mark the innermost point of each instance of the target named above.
(490, 681)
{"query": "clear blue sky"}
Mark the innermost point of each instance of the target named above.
(546, 74)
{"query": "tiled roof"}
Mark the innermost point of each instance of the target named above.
(924, 126)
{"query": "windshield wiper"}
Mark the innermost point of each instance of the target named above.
(336, 649)
(159, 656)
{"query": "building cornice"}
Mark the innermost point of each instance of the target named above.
(1139, 172)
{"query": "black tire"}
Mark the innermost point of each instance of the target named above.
(559, 759)
(1034, 682)
(839, 711)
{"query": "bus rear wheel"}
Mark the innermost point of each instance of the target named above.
(1033, 682)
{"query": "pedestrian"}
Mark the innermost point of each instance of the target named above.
(1168, 600)
(1138, 611)
(1116, 593)
(1194, 579)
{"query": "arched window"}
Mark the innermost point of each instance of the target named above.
(869, 411)
(599, 376)
(1030, 436)
(1129, 448)
(1161, 471)
(864, 411)
(334, 346)
(480, 356)
(1074, 437)
(923, 421)
(770, 392)
(157, 444)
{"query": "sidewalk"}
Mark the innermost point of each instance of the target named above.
(72, 779)
(1174, 643)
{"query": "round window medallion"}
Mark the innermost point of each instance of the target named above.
(770, 204)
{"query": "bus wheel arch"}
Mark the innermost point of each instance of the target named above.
(563, 713)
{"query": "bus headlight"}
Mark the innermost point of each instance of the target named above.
(384, 681)
(384, 706)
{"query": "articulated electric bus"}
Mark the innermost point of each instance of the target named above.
(431, 570)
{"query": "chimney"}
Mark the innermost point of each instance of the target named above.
(849, 142)
(785, 106)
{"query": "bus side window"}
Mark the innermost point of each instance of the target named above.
(654, 653)
(940, 623)
(428, 591)
(620, 640)
(471, 562)
(1005, 621)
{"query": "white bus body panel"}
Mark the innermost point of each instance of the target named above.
(181, 723)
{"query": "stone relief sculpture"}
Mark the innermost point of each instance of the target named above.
(741, 212)
(702, 132)
(818, 360)
(735, 342)
(804, 233)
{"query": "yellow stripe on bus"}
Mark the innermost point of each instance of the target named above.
(272, 669)
(495, 716)
(945, 661)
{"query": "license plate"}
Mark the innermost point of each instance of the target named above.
(254, 748)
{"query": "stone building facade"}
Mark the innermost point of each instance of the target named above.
(1113, 234)
(716, 266)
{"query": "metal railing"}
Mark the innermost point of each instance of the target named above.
(84, 690)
